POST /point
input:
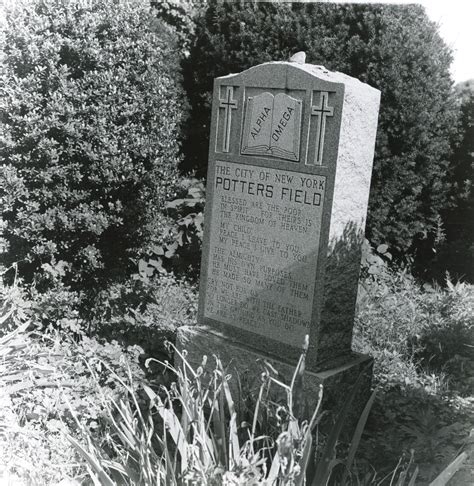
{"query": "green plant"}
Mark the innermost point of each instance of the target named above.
(91, 110)
(180, 14)
(434, 441)
(15, 305)
(190, 434)
(389, 323)
(57, 307)
(420, 337)
(145, 311)
(412, 329)
(427, 428)
(456, 254)
(49, 382)
(447, 340)
(201, 446)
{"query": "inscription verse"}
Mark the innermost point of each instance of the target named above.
(264, 238)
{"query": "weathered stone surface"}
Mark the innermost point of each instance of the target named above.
(246, 366)
(288, 183)
(263, 252)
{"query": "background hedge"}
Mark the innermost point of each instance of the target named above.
(91, 109)
(92, 112)
(394, 48)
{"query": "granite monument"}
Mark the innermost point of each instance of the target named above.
(290, 163)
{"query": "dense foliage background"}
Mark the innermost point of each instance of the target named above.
(457, 254)
(93, 122)
(394, 48)
(91, 111)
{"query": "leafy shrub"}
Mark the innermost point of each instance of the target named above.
(456, 251)
(447, 343)
(388, 322)
(58, 308)
(421, 338)
(419, 425)
(394, 48)
(191, 433)
(411, 329)
(180, 14)
(145, 311)
(15, 305)
(91, 110)
(179, 248)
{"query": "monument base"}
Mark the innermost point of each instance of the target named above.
(246, 366)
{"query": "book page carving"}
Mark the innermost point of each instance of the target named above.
(272, 126)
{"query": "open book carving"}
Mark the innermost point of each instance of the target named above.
(272, 126)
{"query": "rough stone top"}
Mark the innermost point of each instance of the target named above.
(313, 70)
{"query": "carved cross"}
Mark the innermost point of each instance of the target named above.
(322, 110)
(229, 104)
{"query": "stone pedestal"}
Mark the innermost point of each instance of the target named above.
(246, 365)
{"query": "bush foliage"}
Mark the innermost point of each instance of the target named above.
(413, 330)
(91, 110)
(459, 244)
(179, 250)
(180, 15)
(393, 48)
(421, 338)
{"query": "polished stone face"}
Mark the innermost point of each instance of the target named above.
(288, 183)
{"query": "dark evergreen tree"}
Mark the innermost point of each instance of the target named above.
(394, 48)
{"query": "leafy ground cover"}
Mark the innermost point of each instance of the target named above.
(48, 383)
(422, 339)
(56, 368)
(55, 385)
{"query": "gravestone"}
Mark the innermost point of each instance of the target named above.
(290, 164)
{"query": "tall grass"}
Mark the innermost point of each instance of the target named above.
(197, 438)
(189, 434)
